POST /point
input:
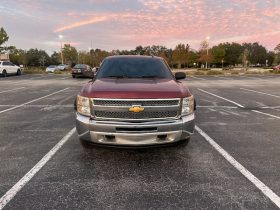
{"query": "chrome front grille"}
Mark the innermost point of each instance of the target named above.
(118, 109)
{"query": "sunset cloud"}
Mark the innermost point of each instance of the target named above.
(80, 23)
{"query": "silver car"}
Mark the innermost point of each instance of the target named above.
(51, 69)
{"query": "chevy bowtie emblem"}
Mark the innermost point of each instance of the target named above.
(136, 109)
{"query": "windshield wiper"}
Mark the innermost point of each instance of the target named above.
(151, 76)
(116, 76)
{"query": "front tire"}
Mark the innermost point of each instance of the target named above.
(4, 73)
(73, 76)
(18, 72)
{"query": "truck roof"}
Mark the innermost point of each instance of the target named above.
(133, 56)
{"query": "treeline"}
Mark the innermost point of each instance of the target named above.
(182, 56)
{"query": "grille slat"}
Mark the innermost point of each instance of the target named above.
(131, 115)
(154, 109)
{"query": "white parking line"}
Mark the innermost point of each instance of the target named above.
(39, 106)
(5, 91)
(270, 115)
(228, 107)
(260, 92)
(259, 184)
(237, 104)
(270, 107)
(25, 80)
(5, 199)
(29, 102)
(197, 78)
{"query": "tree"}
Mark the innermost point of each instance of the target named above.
(70, 54)
(180, 54)
(193, 58)
(18, 56)
(233, 52)
(98, 56)
(3, 36)
(205, 54)
(218, 53)
(55, 58)
(277, 54)
(257, 53)
(244, 57)
(139, 50)
(270, 58)
(37, 57)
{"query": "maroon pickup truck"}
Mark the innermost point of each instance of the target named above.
(135, 101)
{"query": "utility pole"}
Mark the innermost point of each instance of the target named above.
(207, 50)
(61, 37)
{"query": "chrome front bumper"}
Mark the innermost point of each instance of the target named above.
(134, 134)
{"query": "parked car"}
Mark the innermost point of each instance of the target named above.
(7, 67)
(62, 67)
(51, 69)
(135, 101)
(82, 70)
(276, 67)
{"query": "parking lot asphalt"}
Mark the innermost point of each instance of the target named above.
(240, 114)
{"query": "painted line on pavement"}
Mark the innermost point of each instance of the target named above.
(270, 115)
(5, 91)
(29, 102)
(228, 107)
(270, 107)
(9, 195)
(197, 78)
(260, 92)
(259, 184)
(39, 106)
(237, 104)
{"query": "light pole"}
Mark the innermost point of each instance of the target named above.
(60, 38)
(207, 49)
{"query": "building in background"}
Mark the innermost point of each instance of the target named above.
(4, 56)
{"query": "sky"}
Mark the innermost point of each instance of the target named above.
(125, 24)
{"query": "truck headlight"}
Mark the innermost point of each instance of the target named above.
(187, 105)
(83, 105)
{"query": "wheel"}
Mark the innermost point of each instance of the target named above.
(4, 73)
(73, 76)
(18, 72)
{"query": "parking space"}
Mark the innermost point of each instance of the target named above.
(240, 114)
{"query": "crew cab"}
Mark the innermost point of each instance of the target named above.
(7, 67)
(135, 101)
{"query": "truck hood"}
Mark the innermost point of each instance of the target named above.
(131, 88)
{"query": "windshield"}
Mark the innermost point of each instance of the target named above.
(129, 67)
(79, 66)
(52, 66)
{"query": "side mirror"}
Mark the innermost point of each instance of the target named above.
(96, 69)
(180, 75)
